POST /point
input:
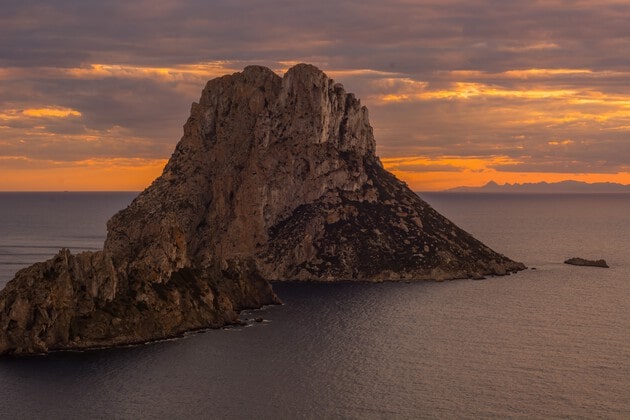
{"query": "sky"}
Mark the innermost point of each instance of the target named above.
(94, 94)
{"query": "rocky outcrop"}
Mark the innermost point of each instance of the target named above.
(587, 263)
(81, 301)
(274, 179)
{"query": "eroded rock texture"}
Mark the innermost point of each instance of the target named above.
(274, 179)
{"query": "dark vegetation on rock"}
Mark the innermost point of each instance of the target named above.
(587, 263)
(274, 179)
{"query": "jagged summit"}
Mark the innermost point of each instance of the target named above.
(275, 178)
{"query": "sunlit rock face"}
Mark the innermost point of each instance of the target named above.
(275, 178)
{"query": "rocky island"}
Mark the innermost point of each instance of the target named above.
(275, 178)
(586, 263)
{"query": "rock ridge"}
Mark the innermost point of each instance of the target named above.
(275, 178)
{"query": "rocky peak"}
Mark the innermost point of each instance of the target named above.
(255, 148)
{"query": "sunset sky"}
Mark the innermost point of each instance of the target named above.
(93, 94)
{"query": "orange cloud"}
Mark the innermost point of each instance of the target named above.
(468, 90)
(470, 84)
(474, 164)
(533, 47)
(538, 73)
(175, 73)
(43, 112)
(54, 112)
(560, 142)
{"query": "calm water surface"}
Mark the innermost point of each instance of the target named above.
(34, 226)
(550, 342)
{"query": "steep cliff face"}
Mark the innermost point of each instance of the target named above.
(274, 179)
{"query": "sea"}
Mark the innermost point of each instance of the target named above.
(552, 341)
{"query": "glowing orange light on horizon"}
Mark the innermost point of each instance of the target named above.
(87, 175)
(476, 172)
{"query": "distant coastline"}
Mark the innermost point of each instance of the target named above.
(563, 187)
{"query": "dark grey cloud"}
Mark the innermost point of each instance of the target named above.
(411, 36)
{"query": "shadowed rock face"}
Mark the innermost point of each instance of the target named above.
(274, 179)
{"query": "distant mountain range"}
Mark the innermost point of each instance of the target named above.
(564, 187)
